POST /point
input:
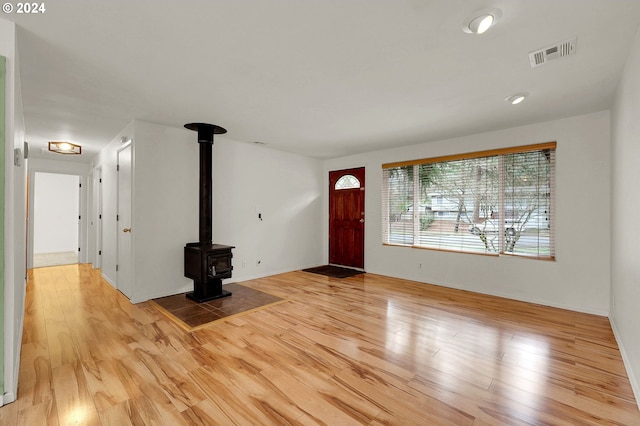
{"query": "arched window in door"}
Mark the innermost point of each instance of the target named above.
(347, 182)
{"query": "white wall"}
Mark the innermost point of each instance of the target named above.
(286, 189)
(15, 214)
(56, 211)
(577, 280)
(165, 208)
(625, 202)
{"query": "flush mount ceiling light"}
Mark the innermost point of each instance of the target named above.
(516, 99)
(481, 21)
(65, 148)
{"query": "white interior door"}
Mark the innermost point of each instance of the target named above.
(125, 261)
(95, 233)
(82, 247)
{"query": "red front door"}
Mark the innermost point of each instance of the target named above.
(346, 217)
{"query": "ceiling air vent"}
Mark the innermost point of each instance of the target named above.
(550, 53)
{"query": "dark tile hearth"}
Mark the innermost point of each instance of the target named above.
(189, 314)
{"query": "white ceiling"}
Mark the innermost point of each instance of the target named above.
(323, 78)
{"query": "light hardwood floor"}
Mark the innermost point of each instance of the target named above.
(362, 350)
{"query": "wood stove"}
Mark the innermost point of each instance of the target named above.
(207, 264)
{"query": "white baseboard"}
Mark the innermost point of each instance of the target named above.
(7, 398)
(239, 279)
(146, 297)
(106, 278)
(506, 295)
(627, 362)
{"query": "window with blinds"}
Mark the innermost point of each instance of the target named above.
(491, 202)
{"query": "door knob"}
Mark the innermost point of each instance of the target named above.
(126, 230)
(361, 220)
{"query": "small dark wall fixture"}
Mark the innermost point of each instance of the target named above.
(206, 263)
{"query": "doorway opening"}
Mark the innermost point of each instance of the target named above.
(56, 219)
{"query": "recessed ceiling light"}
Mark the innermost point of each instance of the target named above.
(480, 24)
(65, 148)
(481, 21)
(516, 99)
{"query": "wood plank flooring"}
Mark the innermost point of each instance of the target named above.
(365, 350)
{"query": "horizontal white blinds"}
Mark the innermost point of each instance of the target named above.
(493, 202)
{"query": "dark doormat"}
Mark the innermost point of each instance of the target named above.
(333, 271)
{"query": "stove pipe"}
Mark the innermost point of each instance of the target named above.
(205, 140)
(207, 264)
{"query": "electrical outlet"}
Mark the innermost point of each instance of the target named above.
(420, 265)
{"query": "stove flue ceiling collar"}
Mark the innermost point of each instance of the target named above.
(205, 131)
